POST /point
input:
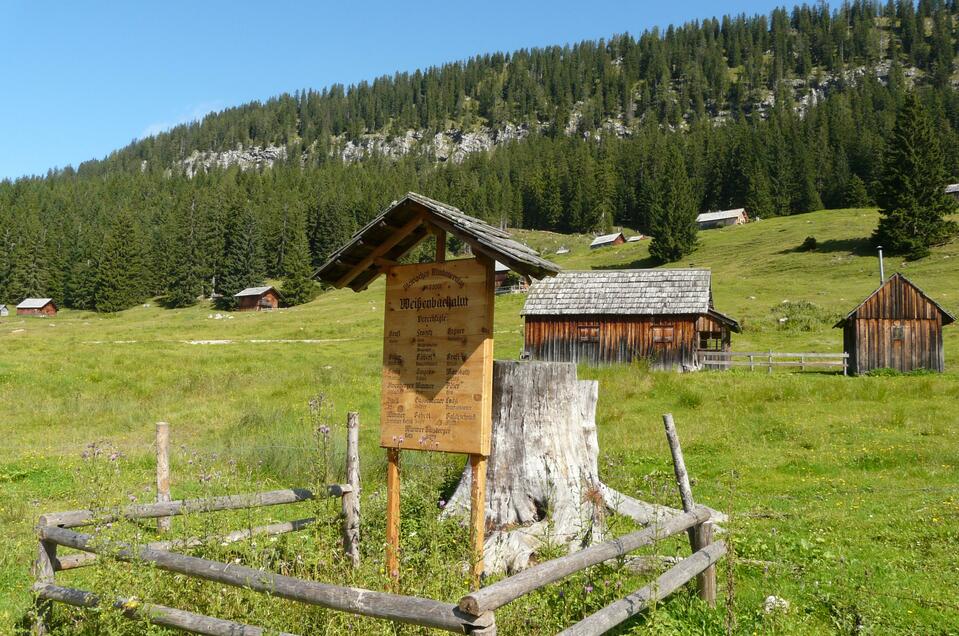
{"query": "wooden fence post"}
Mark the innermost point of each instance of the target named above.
(751, 367)
(769, 368)
(699, 536)
(43, 572)
(393, 514)
(351, 500)
(163, 472)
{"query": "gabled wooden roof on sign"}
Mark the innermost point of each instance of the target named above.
(397, 230)
(622, 291)
(892, 302)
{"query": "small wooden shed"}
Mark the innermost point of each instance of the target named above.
(37, 307)
(502, 279)
(897, 327)
(4, 311)
(258, 299)
(722, 218)
(607, 240)
(612, 316)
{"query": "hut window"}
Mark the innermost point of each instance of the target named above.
(898, 332)
(662, 335)
(588, 333)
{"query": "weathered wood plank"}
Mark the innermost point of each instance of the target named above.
(163, 471)
(75, 518)
(395, 607)
(507, 590)
(351, 500)
(155, 614)
(674, 578)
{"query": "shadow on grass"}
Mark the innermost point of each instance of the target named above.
(643, 263)
(857, 246)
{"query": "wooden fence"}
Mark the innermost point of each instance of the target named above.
(769, 359)
(473, 614)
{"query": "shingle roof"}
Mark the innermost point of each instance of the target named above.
(368, 243)
(722, 214)
(952, 187)
(254, 291)
(606, 238)
(34, 303)
(625, 291)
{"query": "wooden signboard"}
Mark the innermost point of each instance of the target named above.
(437, 358)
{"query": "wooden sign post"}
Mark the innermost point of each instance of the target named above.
(438, 377)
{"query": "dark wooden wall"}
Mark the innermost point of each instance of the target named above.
(269, 300)
(47, 310)
(897, 328)
(617, 339)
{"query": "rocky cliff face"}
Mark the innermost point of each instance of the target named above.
(455, 145)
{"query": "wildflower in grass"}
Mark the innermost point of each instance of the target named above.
(442, 503)
(588, 588)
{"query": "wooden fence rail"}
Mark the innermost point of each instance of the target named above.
(473, 614)
(770, 359)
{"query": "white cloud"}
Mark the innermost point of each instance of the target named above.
(195, 113)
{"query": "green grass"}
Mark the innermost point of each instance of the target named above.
(850, 486)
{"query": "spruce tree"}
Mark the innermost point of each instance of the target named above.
(912, 200)
(185, 282)
(121, 267)
(241, 262)
(673, 217)
(298, 285)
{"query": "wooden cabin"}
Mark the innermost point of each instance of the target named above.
(608, 240)
(897, 327)
(506, 284)
(4, 311)
(258, 299)
(722, 218)
(613, 316)
(953, 190)
(37, 307)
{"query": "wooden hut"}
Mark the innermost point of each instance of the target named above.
(506, 284)
(897, 327)
(608, 240)
(4, 311)
(37, 307)
(953, 190)
(609, 316)
(258, 299)
(722, 218)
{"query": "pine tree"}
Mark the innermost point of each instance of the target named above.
(856, 194)
(121, 278)
(185, 282)
(673, 217)
(298, 285)
(912, 200)
(241, 262)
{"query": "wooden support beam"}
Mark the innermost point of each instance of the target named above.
(395, 607)
(440, 235)
(509, 589)
(380, 250)
(163, 471)
(612, 615)
(393, 513)
(351, 501)
(44, 572)
(477, 517)
(155, 614)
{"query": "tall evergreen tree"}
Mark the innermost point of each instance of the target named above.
(298, 284)
(121, 280)
(241, 261)
(913, 203)
(673, 217)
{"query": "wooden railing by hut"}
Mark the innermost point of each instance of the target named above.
(472, 614)
(769, 359)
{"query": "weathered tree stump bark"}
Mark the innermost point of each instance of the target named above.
(542, 479)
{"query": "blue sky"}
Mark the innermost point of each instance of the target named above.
(81, 79)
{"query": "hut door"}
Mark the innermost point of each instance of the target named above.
(899, 334)
(587, 343)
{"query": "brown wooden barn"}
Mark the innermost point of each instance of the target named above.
(37, 307)
(609, 316)
(258, 299)
(608, 240)
(897, 327)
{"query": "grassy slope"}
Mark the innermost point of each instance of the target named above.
(850, 483)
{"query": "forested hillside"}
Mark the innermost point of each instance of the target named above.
(783, 114)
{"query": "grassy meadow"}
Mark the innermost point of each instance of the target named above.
(843, 492)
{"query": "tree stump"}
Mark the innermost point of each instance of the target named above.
(543, 485)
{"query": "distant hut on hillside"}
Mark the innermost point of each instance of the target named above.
(37, 307)
(609, 316)
(505, 283)
(258, 299)
(4, 311)
(953, 190)
(607, 240)
(710, 220)
(897, 327)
